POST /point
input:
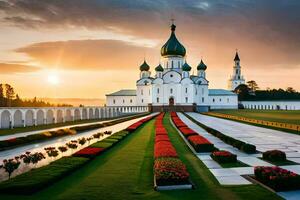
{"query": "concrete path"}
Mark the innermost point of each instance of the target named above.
(264, 139)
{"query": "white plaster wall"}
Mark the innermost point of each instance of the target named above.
(121, 101)
(223, 102)
(272, 105)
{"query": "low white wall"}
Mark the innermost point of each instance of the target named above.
(223, 102)
(271, 105)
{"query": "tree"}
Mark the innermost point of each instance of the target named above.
(290, 90)
(242, 91)
(252, 85)
(2, 100)
(9, 93)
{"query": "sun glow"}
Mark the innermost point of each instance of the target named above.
(53, 79)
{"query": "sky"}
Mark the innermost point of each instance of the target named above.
(88, 48)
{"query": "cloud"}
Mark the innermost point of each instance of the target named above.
(13, 68)
(87, 54)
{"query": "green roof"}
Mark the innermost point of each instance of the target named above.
(201, 66)
(222, 92)
(159, 68)
(173, 47)
(186, 67)
(144, 66)
(123, 93)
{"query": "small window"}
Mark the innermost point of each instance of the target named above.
(213, 100)
(123, 101)
(178, 64)
(171, 91)
(202, 99)
(186, 90)
(114, 101)
(220, 100)
(196, 91)
(142, 100)
(202, 90)
(130, 100)
(171, 75)
(172, 64)
(227, 100)
(157, 90)
(186, 99)
(157, 100)
(142, 92)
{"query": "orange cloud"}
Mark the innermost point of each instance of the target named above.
(12, 68)
(87, 54)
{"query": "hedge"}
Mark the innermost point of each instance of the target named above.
(247, 148)
(42, 177)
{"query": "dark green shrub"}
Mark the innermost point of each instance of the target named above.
(249, 148)
(274, 155)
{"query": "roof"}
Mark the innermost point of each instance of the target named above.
(144, 66)
(236, 58)
(220, 92)
(123, 93)
(173, 47)
(201, 66)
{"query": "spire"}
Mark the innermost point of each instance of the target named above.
(173, 26)
(236, 58)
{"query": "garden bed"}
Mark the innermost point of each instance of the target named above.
(40, 178)
(170, 172)
(245, 147)
(277, 178)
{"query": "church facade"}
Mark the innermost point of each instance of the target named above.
(172, 87)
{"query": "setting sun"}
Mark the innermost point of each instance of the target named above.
(53, 79)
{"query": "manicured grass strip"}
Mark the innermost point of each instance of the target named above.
(39, 178)
(102, 144)
(233, 164)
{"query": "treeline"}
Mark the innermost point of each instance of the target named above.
(9, 98)
(251, 92)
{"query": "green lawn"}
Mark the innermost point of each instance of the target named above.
(126, 172)
(289, 116)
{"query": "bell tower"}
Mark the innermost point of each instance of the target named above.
(236, 79)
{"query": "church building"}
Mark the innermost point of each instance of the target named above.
(173, 87)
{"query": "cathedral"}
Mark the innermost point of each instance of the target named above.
(173, 87)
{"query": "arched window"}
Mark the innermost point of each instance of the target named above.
(114, 101)
(202, 99)
(130, 100)
(227, 100)
(220, 100)
(171, 91)
(172, 65)
(157, 100)
(186, 90)
(178, 64)
(186, 99)
(213, 100)
(157, 90)
(142, 92)
(142, 100)
(123, 101)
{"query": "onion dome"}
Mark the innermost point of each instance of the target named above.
(186, 67)
(144, 66)
(159, 68)
(236, 58)
(173, 47)
(201, 66)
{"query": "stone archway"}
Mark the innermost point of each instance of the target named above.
(40, 117)
(29, 119)
(5, 119)
(77, 114)
(68, 115)
(18, 121)
(171, 101)
(50, 117)
(59, 116)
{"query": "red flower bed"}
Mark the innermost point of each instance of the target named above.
(159, 138)
(89, 152)
(170, 171)
(200, 143)
(186, 131)
(164, 149)
(137, 124)
(223, 157)
(277, 178)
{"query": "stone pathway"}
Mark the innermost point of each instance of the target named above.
(264, 139)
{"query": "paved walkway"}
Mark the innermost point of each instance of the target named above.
(264, 139)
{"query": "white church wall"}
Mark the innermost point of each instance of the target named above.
(223, 102)
(144, 94)
(272, 105)
(121, 101)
